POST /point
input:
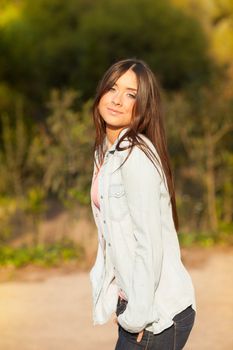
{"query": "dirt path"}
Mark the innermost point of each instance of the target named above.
(55, 314)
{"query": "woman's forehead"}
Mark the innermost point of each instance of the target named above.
(128, 80)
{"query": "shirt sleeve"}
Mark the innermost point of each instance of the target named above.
(142, 186)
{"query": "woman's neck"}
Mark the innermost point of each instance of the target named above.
(109, 144)
(112, 135)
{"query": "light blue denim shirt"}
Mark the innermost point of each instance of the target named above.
(138, 248)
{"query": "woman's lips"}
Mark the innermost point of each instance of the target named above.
(113, 111)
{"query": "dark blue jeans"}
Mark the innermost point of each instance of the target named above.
(172, 338)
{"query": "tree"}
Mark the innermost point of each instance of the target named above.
(204, 122)
(216, 17)
(58, 44)
(171, 41)
(67, 161)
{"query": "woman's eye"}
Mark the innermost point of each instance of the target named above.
(132, 96)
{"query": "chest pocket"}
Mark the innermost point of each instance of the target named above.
(117, 202)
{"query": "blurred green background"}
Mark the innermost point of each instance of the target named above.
(52, 55)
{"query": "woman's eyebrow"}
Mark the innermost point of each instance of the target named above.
(128, 88)
(132, 89)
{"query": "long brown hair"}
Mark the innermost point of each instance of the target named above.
(147, 119)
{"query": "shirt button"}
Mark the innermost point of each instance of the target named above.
(109, 244)
(104, 222)
(101, 197)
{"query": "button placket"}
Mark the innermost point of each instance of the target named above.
(104, 234)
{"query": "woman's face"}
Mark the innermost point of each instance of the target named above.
(116, 105)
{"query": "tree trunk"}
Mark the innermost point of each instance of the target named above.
(210, 183)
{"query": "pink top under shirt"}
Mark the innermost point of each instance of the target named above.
(95, 198)
(95, 192)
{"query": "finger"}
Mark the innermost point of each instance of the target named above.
(140, 335)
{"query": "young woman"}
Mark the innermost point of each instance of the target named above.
(138, 271)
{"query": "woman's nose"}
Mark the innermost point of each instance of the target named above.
(117, 100)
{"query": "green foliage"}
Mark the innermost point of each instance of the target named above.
(7, 210)
(52, 159)
(36, 163)
(52, 254)
(45, 35)
(14, 152)
(34, 207)
(170, 41)
(35, 201)
(205, 239)
(216, 17)
(203, 136)
(56, 47)
(18, 153)
(70, 43)
(21, 214)
(67, 161)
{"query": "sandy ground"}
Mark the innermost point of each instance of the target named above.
(54, 313)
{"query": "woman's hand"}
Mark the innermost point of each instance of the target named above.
(140, 334)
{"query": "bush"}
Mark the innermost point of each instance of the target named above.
(204, 239)
(52, 254)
